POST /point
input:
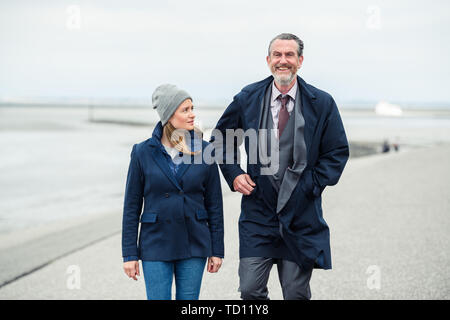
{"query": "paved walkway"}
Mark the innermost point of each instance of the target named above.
(389, 221)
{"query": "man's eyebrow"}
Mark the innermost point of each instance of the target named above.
(287, 52)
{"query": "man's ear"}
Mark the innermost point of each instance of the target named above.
(300, 61)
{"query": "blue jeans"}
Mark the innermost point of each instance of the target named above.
(158, 277)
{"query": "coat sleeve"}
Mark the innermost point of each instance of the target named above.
(231, 119)
(214, 207)
(132, 206)
(333, 155)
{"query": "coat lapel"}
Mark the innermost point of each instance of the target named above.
(158, 156)
(308, 112)
(293, 173)
(310, 123)
(253, 115)
(161, 161)
(256, 106)
(182, 167)
(196, 145)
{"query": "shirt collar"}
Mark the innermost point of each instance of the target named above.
(276, 92)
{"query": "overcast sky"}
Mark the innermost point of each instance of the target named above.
(356, 50)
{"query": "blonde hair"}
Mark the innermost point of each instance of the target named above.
(176, 137)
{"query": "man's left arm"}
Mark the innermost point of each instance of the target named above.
(333, 155)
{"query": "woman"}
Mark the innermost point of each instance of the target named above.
(182, 218)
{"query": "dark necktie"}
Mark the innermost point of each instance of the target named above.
(283, 115)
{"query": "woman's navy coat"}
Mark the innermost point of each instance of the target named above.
(303, 229)
(182, 215)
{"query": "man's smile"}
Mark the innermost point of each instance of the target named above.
(283, 68)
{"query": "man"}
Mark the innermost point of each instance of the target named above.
(281, 214)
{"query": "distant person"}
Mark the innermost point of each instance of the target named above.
(386, 148)
(281, 215)
(396, 147)
(182, 219)
(396, 144)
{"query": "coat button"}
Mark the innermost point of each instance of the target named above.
(166, 195)
(181, 192)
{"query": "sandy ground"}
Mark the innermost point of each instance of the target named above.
(62, 183)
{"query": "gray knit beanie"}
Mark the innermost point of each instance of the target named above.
(166, 99)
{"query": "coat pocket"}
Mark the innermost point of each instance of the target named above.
(307, 184)
(149, 217)
(202, 215)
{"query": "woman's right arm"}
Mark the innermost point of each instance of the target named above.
(132, 208)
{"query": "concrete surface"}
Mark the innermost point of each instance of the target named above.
(389, 222)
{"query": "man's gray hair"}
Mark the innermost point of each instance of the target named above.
(289, 36)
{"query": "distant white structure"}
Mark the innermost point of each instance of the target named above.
(387, 109)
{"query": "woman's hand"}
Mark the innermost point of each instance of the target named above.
(214, 264)
(131, 269)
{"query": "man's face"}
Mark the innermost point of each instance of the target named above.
(284, 61)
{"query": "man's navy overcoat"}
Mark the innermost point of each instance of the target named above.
(300, 223)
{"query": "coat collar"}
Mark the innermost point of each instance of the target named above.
(255, 106)
(155, 141)
(256, 100)
(160, 159)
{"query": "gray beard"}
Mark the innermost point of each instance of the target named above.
(283, 81)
